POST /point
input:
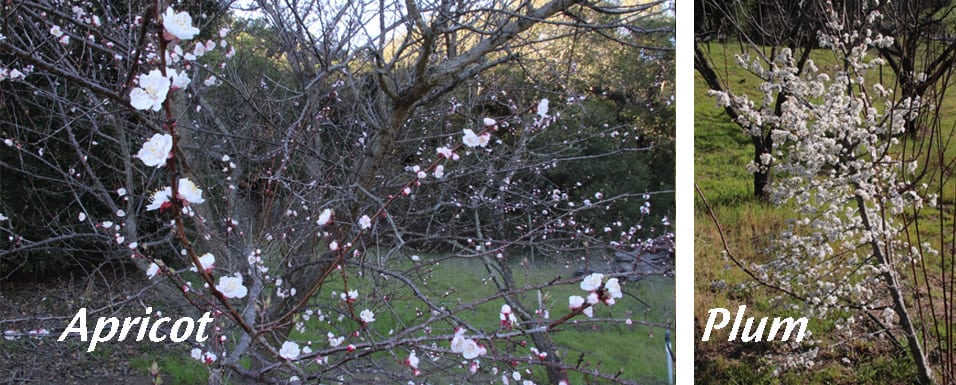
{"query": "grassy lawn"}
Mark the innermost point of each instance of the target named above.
(461, 284)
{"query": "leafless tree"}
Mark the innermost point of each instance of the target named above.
(315, 106)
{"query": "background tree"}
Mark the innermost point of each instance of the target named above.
(764, 26)
(919, 57)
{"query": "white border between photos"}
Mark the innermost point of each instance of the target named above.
(684, 194)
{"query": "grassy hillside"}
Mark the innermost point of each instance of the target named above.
(607, 346)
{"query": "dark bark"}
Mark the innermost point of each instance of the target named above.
(761, 139)
(762, 143)
(762, 177)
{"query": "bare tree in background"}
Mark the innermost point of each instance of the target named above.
(764, 26)
(354, 108)
(920, 57)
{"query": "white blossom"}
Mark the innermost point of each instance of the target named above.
(179, 80)
(179, 25)
(365, 222)
(335, 341)
(483, 139)
(152, 270)
(156, 150)
(542, 109)
(367, 316)
(592, 282)
(575, 301)
(445, 152)
(189, 191)
(159, 198)
(289, 350)
(207, 261)
(231, 287)
(470, 139)
(613, 288)
(470, 349)
(151, 91)
(324, 217)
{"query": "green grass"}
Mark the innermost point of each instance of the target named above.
(721, 153)
(455, 284)
(614, 347)
(179, 369)
(880, 370)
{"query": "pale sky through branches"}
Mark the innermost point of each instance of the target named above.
(370, 26)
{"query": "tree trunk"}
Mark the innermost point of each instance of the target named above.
(763, 176)
(382, 143)
(762, 144)
(923, 368)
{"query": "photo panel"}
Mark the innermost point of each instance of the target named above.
(823, 214)
(338, 192)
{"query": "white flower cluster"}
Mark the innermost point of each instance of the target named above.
(471, 139)
(837, 161)
(507, 316)
(153, 88)
(188, 193)
(599, 291)
(206, 357)
(467, 347)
